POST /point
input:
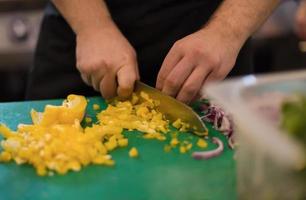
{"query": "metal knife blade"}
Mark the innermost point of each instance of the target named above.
(172, 108)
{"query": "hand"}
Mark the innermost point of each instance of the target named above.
(301, 20)
(196, 60)
(107, 61)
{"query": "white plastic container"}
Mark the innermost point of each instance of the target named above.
(269, 161)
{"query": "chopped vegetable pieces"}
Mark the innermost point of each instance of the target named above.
(56, 141)
(201, 143)
(133, 153)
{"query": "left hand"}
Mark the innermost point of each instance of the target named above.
(195, 60)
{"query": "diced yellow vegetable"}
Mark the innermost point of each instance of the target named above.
(123, 142)
(56, 141)
(177, 124)
(133, 152)
(88, 120)
(189, 146)
(5, 156)
(111, 145)
(183, 149)
(167, 148)
(202, 143)
(174, 142)
(96, 107)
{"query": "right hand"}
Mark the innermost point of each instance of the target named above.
(300, 19)
(107, 61)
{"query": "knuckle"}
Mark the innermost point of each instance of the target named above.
(161, 78)
(84, 68)
(108, 67)
(190, 90)
(126, 87)
(129, 56)
(170, 83)
(213, 61)
(132, 55)
(178, 44)
(199, 51)
(92, 66)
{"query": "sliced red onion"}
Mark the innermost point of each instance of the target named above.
(231, 142)
(211, 153)
(221, 121)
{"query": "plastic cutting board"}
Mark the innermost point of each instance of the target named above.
(155, 174)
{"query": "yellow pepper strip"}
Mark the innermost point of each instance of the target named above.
(73, 108)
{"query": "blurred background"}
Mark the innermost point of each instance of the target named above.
(277, 46)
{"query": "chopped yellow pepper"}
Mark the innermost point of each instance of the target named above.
(167, 148)
(96, 107)
(123, 142)
(133, 153)
(174, 142)
(183, 149)
(56, 141)
(88, 120)
(202, 143)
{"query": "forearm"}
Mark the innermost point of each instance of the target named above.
(238, 19)
(84, 15)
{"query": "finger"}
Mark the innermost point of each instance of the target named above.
(137, 72)
(196, 97)
(177, 77)
(193, 84)
(96, 79)
(216, 75)
(172, 58)
(108, 86)
(86, 79)
(126, 77)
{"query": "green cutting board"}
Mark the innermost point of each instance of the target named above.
(155, 174)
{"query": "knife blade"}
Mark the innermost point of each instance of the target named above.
(173, 109)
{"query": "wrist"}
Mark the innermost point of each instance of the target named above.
(93, 26)
(226, 31)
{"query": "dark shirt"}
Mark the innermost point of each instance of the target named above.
(151, 26)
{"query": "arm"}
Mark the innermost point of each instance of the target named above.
(210, 53)
(104, 57)
(301, 20)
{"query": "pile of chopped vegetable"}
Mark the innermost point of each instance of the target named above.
(56, 141)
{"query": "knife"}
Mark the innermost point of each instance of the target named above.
(173, 109)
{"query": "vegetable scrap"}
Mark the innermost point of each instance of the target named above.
(133, 153)
(96, 106)
(202, 143)
(88, 120)
(211, 153)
